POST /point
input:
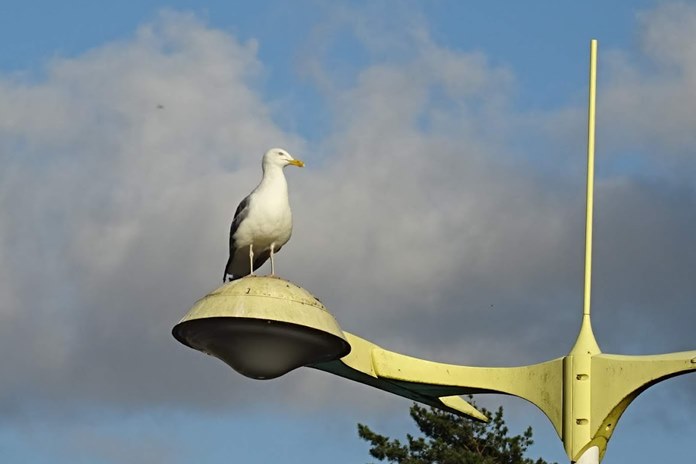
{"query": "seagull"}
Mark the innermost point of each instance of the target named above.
(262, 223)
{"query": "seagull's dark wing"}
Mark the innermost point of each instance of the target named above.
(239, 215)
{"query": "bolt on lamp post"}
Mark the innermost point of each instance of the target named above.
(264, 327)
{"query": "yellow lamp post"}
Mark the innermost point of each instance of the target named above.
(264, 327)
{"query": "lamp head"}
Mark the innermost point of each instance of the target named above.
(262, 327)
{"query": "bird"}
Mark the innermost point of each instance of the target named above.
(262, 223)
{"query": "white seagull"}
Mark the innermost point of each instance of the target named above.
(263, 221)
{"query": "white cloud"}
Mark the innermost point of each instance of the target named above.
(123, 165)
(650, 97)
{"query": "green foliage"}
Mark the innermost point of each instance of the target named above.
(450, 439)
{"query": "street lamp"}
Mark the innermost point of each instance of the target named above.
(264, 327)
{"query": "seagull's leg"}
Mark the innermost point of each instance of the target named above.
(272, 260)
(251, 259)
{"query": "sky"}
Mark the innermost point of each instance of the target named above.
(440, 213)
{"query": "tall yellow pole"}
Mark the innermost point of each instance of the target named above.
(577, 366)
(590, 176)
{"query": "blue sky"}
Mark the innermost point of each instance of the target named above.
(547, 42)
(448, 133)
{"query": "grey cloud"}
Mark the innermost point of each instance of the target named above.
(419, 220)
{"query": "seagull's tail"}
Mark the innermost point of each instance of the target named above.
(228, 271)
(229, 277)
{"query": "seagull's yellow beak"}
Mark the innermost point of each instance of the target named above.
(297, 163)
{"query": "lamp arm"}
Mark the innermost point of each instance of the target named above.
(359, 366)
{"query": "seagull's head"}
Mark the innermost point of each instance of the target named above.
(281, 158)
